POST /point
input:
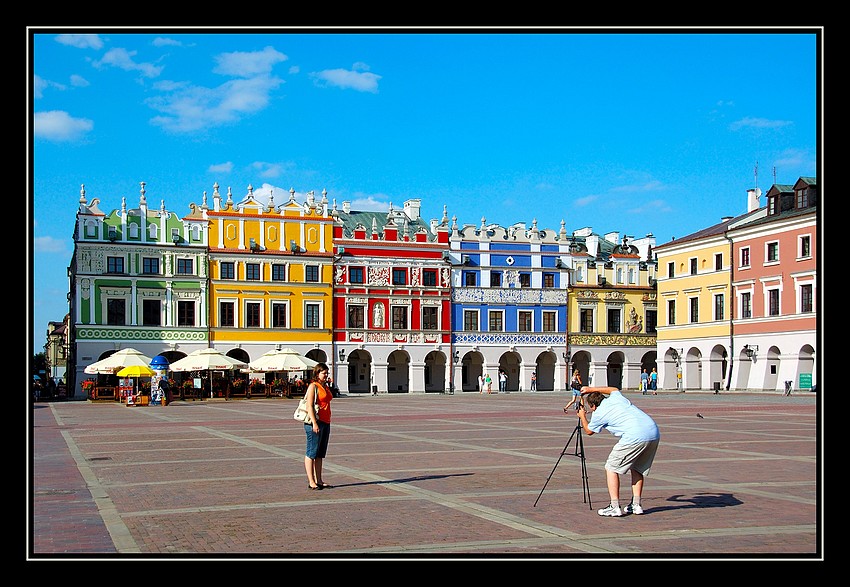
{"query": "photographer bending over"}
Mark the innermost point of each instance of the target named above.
(635, 451)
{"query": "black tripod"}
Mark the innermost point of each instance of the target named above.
(578, 451)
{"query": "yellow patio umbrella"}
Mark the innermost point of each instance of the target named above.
(136, 371)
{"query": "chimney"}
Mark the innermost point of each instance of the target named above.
(753, 195)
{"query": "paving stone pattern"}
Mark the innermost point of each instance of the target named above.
(467, 477)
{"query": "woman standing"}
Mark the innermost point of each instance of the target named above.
(318, 432)
(576, 385)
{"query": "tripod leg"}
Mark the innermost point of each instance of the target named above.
(563, 452)
(585, 482)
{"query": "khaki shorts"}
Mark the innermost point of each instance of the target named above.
(627, 457)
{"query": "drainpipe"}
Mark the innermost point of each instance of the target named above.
(731, 311)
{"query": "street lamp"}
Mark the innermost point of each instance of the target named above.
(455, 360)
(751, 351)
(341, 355)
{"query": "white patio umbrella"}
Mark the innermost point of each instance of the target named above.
(282, 360)
(127, 357)
(206, 360)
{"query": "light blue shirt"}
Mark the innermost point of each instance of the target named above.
(623, 419)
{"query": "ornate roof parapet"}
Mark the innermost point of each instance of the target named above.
(216, 198)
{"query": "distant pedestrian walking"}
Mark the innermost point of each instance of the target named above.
(489, 382)
(653, 381)
(644, 382)
(534, 381)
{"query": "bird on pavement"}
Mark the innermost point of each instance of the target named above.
(699, 415)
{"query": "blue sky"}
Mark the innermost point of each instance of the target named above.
(632, 130)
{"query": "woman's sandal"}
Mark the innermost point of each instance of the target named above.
(316, 488)
(324, 485)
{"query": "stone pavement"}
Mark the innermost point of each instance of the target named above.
(440, 477)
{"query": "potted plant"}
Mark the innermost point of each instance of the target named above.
(257, 387)
(88, 387)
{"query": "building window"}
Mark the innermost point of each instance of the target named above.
(671, 270)
(525, 279)
(469, 278)
(745, 257)
(115, 264)
(579, 274)
(399, 276)
(805, 247)
(312, 315)
(151, 314)
(718, 306)
(693, 263)
(806, 299)
(226, 314)
(619, 275)
(252, 271)
(803, 198)
(356, 317)
(746, 305)
(651, 322)
(311, 273)
(470, 320)
(772, 252)
(614, 315)
(185, 267)
(631, 275)
(355, 275)
(228, 270)
(524, 321)
(495, 279)
(671, 312)
(116, 311)
(586, 320)
(278, 272)
(694, 306)
(252, 314)
(773, 302)
(150, 266)
(496, 321)
(718, 262)
(399, 317)
(549, 280)
(550, 320)
(185, 313)
(429, 278)
(278, 315)
(429, 318)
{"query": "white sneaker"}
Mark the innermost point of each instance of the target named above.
(611, 512)
(633, 509)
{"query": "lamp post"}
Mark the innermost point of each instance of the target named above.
(566, 356)
(455, 360)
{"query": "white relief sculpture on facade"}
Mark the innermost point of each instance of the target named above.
(378, 315)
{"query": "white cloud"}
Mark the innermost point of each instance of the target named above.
(40, 84)
(57, 125)
(221, 168)
(79, 81)
(268, 170)
(164, 42)
(650, 186)
(793, 158)
(585, 201)
(80, 41)
(749, 122)
(48, 244)
(348, 79)
(242, 64)
(123, 59)
(192, 108)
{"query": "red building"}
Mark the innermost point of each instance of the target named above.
(392, 301)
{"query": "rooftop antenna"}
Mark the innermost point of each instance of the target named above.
(756, 172)
(774, 175)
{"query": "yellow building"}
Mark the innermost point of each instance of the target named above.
(695, 305)
(612, 308)
(271, 271)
